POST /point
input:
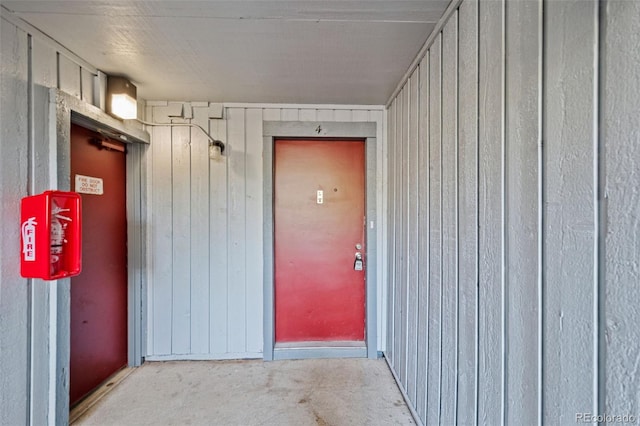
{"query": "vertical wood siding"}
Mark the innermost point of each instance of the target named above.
(423, 237)
(490, 212)
(527, 197)
(205, 287)
(521, 198)
(435, 234)
(569, 210)
(449, 187)
(391, 252)
(412, 237)
(30, 64)
(467, 366)
(14, 298)
(620, 208)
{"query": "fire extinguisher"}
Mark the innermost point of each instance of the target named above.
(51, 235)
(59, 224)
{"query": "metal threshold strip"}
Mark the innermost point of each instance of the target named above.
(320, 349)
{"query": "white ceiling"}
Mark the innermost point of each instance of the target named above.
(302, 51)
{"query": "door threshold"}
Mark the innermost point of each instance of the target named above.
(90, 400)
(320, 349)
(321, 344)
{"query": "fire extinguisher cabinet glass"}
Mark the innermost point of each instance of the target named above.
(50, 235)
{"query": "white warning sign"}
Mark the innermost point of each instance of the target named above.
(89, 185)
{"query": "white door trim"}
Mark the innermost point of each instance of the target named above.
(309, 130)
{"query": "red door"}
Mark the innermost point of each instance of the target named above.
(319, 227)
(99, 293)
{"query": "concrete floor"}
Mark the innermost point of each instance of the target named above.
(305, 392)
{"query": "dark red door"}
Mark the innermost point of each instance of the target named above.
(99, 293)
(319, 228)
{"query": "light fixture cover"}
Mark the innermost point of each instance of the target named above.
(121, 98)
(215, 152)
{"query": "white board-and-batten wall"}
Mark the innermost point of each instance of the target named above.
(33, 353)
(45, 88)
(514, 213)
(205, 248)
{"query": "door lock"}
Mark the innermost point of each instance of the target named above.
(357, 264)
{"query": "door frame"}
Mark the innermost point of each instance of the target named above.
(64, 110)
(366, 131)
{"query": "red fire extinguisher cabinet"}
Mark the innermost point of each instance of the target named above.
(50, 235)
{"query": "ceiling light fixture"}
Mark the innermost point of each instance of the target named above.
(121, 98)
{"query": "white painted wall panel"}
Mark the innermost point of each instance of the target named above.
(206, 294)
(399, 300)
(44, 64)
(237, 291)
(423, 237)
(325, 115)
(181, 241)
(404, 200)
(218, 246)
(620, 212)
(272, 114)
(522, 198)
(569, 192)
(161, 276)
(467, 213)
(14, 297)
(290, 114)
(490, 215)
(360, 115)
(412, 238)
(69, 76)
(34, 366)
(199, 225)
(253, 255)
(449, 221)
(380, 118)
(43, 72)
(391, 232)
(307, 114)
(342, 115)
(394, 213)
(87, 86)
(434, 367)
